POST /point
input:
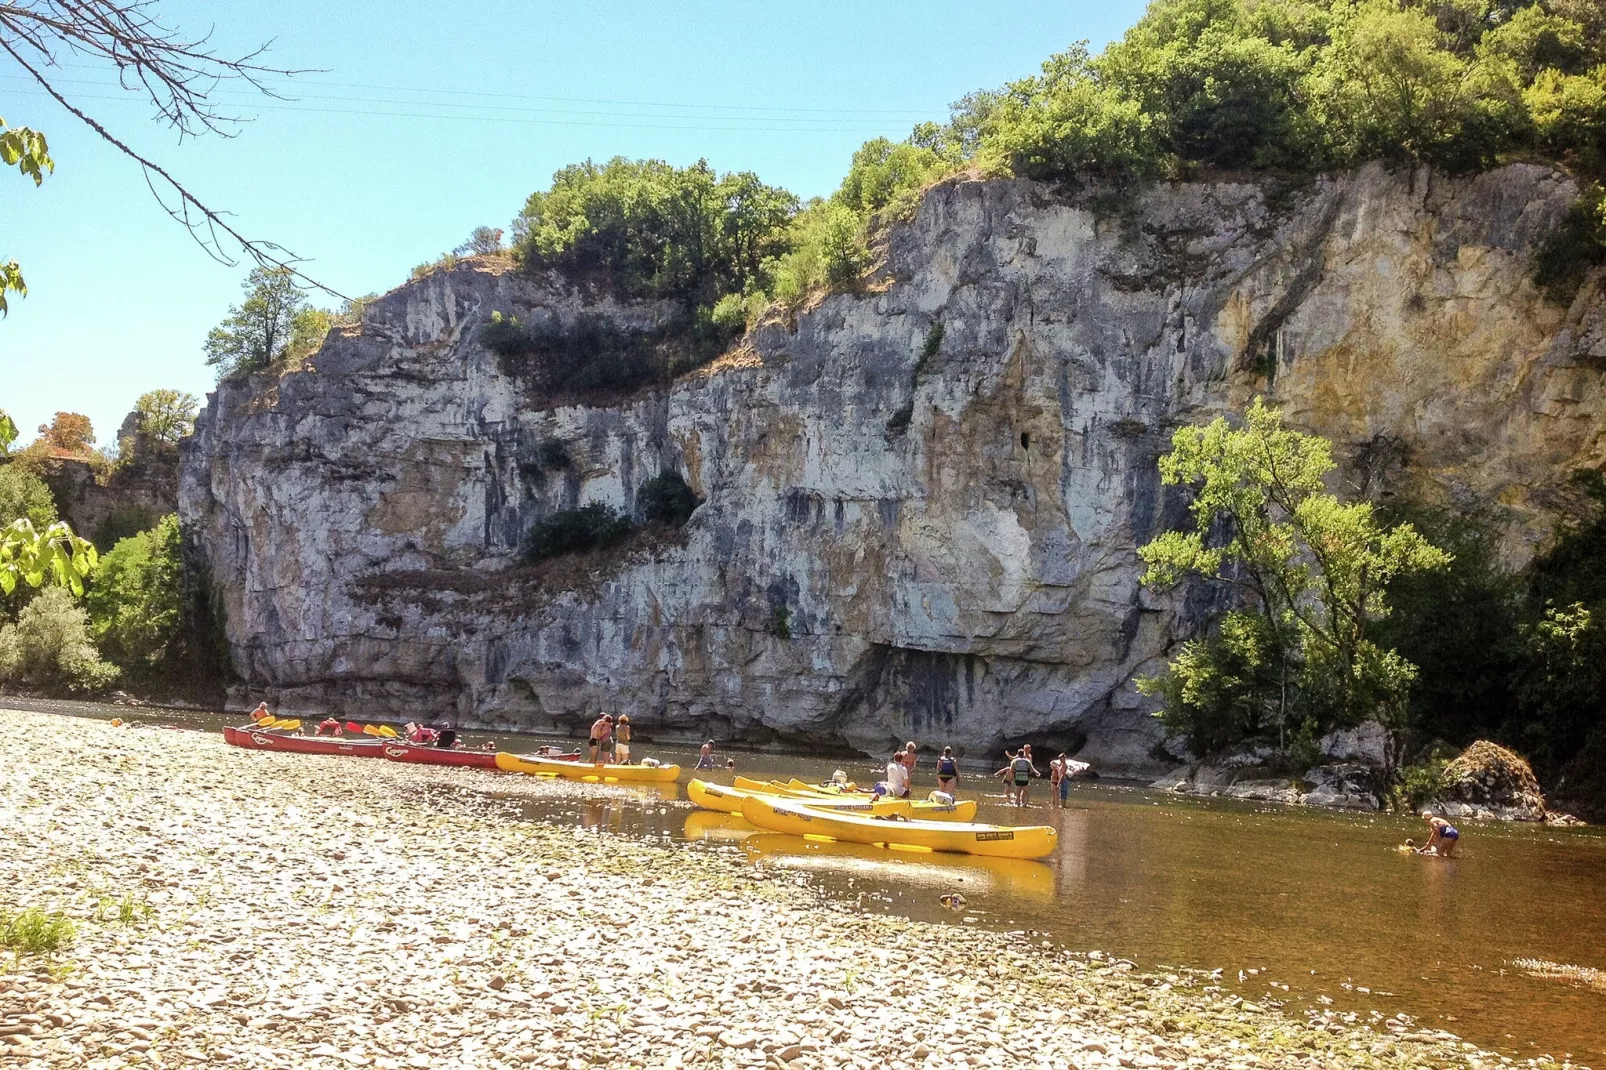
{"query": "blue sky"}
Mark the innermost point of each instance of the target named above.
(426, 120)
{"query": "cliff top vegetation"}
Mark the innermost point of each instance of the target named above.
(1196, 87)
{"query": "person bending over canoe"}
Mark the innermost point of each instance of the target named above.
(261, 713)
(329, 726)
(621, 741)
(1442, 837)
(446, 738)
(601, 734)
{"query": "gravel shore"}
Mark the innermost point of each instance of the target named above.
(252, 909)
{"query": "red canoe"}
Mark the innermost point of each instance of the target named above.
(254, 740)
(398, 751)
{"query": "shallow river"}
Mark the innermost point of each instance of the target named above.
(1321, 903)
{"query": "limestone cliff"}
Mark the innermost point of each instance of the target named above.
(910, 532)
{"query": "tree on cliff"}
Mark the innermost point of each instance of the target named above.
(1295, 659)
(68, 432)
(273, 323)
(176, 72)
(165, 416)
(654, 230)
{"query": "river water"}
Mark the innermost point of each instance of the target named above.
(1304, 908)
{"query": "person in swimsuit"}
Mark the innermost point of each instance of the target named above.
(705, 757)
(621, 741)
(1442, 837)
(947, 771)
(601, 733)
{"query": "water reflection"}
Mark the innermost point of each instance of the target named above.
(946, 872)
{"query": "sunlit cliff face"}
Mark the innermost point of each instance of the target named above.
(902, 538)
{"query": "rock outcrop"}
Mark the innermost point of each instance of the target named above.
(922, 501)
(1488, 782)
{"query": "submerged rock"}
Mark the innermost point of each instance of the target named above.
(1489, 782)
(1345, 786)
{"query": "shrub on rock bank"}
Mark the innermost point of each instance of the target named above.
(1489, 781)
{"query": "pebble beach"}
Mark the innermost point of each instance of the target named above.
(252, 909)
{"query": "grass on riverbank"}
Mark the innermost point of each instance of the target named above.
(33, 931)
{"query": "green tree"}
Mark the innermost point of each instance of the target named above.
(24, 495)
(165, 416)
(654, 230)
(482, 241)
(1314, 570)
(260, 329)
(1389, 86)
(48, 648)
(8, 434)
(135, 601)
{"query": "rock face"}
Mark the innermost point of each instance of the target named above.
(1351, 775)
(1490, 783)
(923, 501)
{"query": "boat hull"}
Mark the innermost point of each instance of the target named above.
(408, 752)
(623, 774)
(797, 818)
(729, 801)
(252, 739)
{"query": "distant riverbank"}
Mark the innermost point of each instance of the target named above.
(286, 910)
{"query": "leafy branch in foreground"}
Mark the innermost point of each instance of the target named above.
(33, 556)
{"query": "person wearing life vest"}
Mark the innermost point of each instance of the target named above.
(1018, 775)
(947, 771)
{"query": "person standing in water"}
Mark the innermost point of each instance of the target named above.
(1058, 782)
(947, 771)
(705, 757)
(1021, 771)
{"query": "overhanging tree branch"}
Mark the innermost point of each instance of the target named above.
(178, 75)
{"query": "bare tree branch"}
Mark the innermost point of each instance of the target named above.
(177, 74)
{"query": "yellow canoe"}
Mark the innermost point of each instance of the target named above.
(599, 772)
(799, 818)
(958, 810)
(729, 800)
